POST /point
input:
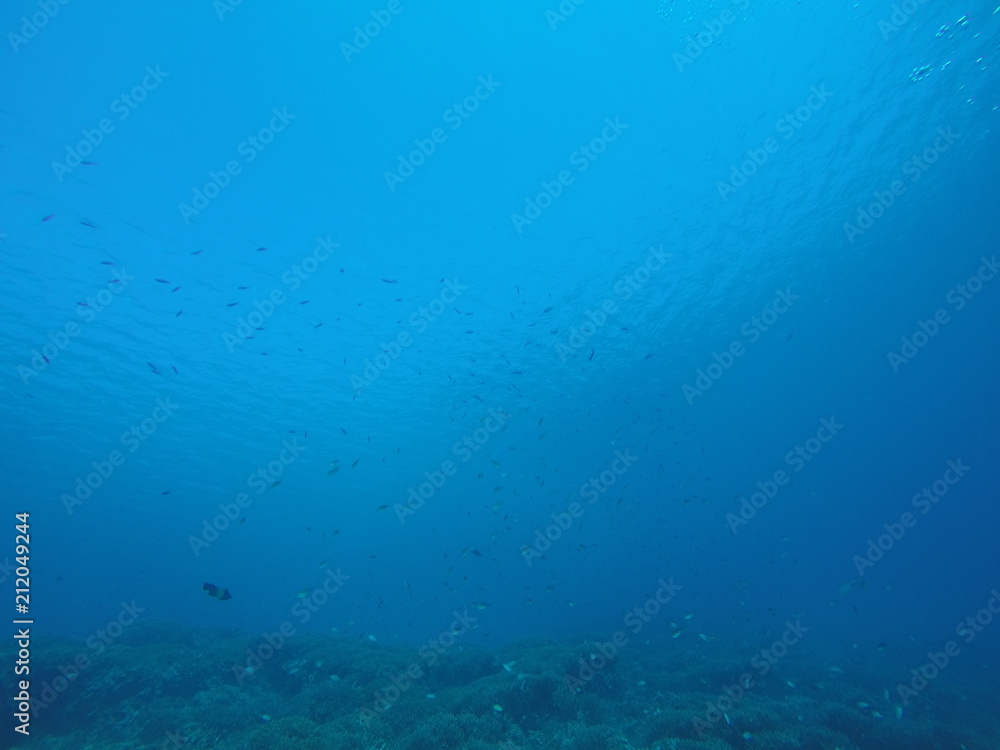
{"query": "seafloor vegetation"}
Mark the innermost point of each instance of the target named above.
(161, 686)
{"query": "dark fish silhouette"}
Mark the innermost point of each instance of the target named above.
(219, 593)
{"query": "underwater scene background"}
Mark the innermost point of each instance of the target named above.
(556, 374)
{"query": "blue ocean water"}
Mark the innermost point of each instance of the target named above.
(469, 325)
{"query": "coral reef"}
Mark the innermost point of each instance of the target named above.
(166, 687)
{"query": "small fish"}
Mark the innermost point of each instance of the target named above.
(197, 252)
(219, 593)
(676, 633)
(163, 281)
(275, 484)
(380, 508)
(355, 463)
(232, 304)
(48, 217)
(303, 593)
(261, 249)
(175, 289)
(390, 281)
